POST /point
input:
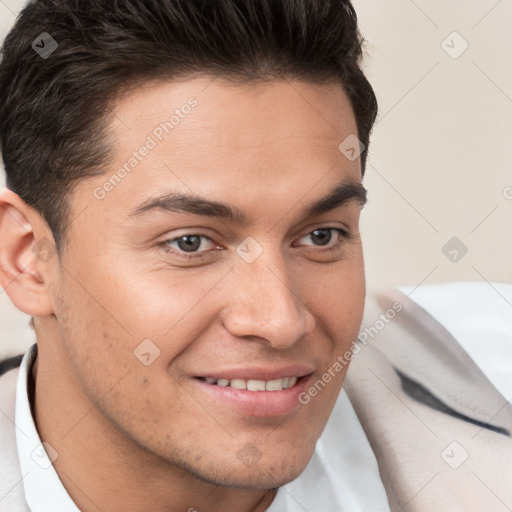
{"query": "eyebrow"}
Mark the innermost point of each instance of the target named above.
(343, 193)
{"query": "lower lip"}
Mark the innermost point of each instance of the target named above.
(257, 403)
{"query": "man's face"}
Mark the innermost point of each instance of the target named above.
(161, 303)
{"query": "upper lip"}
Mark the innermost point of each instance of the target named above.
(260, 373)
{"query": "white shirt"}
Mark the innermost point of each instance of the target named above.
(342, 475)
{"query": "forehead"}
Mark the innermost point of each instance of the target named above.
(273, 102)
(224, 140)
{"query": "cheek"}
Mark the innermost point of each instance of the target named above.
(91, 337)
(107, 367)
(156, 300)
(135, 301)
(336, 294)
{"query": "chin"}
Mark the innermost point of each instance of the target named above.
(255, 475)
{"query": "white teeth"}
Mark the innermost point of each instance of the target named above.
(292, 381)
(238, 383)
(274, 385)
(255, 385)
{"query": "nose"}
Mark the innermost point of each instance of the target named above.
(265, 306)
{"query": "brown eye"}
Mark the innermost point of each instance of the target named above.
(189, 243)
(321, 236)
(325, 237)
(193, 244)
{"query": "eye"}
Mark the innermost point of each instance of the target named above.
(189, 245)
(324, 237)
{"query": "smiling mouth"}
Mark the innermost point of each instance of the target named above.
(253, 384)
(257, 397)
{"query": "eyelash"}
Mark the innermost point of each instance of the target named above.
(342, 234)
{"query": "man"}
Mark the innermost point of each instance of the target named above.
(181, 222)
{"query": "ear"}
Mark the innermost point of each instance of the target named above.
(27, 256)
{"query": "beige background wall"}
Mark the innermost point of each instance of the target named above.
(441, 158)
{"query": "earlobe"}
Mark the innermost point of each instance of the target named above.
(26, 251)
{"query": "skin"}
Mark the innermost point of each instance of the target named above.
(135, 437)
